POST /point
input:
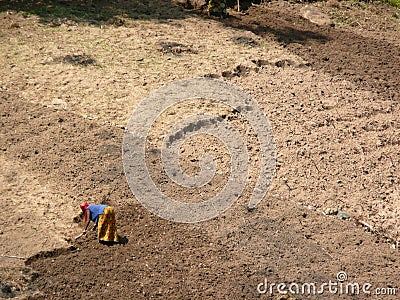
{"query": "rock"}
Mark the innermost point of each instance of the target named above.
(328, 104)
(6, 291)
(250, 208)
(342, 215)
(330, 211)
(315, 15)
(59, 103)
(333, 3)
(196, 4)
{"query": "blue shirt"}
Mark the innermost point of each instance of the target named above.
(95, 211)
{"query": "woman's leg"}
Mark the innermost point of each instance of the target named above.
(107, 229)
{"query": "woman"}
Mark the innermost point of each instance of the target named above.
(217, 8)
(103, 217)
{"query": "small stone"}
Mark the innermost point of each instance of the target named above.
(333, 3)
(342, 215)
(250, 208)
(331, 211)
(59, 103)
(315, 15)
(6, 291)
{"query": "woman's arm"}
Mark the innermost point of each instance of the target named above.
(87, 218)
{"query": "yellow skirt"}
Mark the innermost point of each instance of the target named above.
(107, 229)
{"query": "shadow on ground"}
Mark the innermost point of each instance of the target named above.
(95, 11)
(362, 59)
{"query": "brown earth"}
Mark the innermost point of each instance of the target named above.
(73, 72)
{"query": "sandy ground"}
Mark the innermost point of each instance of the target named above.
(68, 84)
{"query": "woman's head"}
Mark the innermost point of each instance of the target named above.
(84, 207)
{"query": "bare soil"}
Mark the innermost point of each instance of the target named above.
(72, 73)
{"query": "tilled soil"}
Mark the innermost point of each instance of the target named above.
(69, 84)
(365, 52)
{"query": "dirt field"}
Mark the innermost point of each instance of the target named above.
(72, 73)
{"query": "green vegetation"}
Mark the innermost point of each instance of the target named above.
(361, 4)
(395, 3)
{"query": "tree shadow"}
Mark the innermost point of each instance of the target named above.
(287, 35)
(95, 11)
(367, 61)
(283, 27)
